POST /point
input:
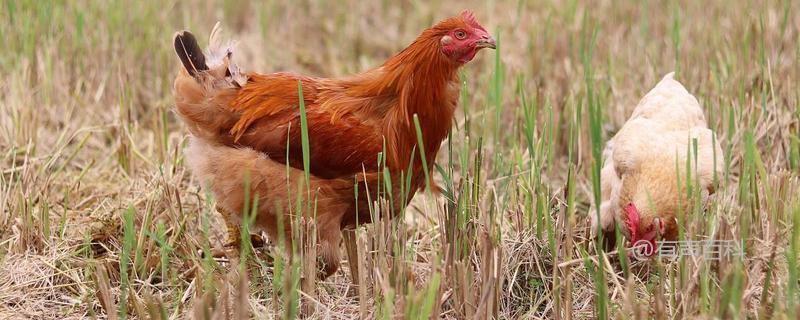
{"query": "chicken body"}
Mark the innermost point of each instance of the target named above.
(643, 179)
(247, 127)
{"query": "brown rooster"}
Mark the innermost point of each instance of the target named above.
(247, 127)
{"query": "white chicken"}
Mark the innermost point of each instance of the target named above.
(643, 180)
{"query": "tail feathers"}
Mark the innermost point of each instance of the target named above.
(189, 53)
(216, 61)
(668, 86)
(219, 54)
(204, 89)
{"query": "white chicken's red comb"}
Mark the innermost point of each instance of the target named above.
(632, 221)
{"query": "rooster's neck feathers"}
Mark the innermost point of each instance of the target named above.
(417, 77)
(420, 80)
(424, 82)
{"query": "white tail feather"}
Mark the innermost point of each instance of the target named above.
(220, 55)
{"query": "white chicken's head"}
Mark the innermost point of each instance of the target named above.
(639, 230)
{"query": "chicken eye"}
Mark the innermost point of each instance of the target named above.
(460, 34)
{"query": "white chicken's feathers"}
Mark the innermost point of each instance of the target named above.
(671, 105)
(663, 125)
(664, 122)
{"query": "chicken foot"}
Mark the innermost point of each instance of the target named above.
(234, 241)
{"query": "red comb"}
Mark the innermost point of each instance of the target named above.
(632, 221)
(469, 18)
(468, 15)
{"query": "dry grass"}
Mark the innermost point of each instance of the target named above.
(100, 218)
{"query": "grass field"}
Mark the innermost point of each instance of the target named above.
(99, 216)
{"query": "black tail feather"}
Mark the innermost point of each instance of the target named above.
(190, 53)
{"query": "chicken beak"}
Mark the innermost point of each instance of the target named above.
(486, 41)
